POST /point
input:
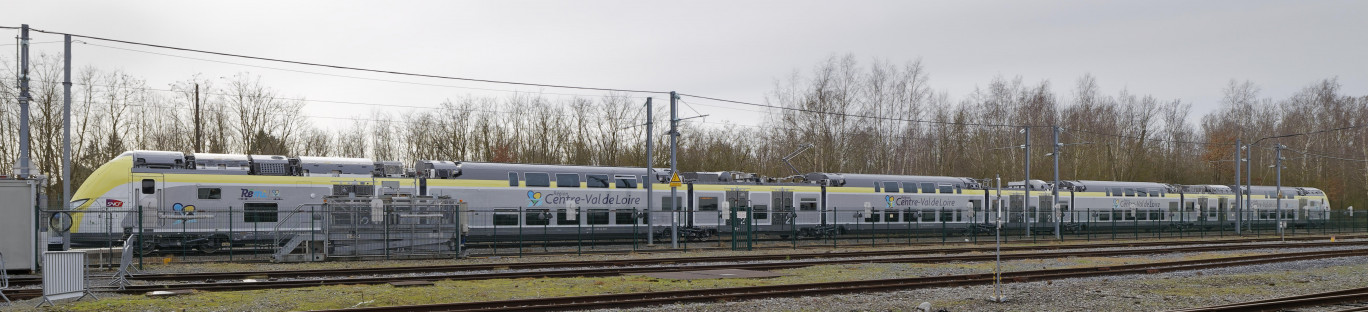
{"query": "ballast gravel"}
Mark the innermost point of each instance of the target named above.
(1154, 292)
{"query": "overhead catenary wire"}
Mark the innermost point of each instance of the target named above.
(568, 86)
(300, 99)
(392, 72)
(851, 115)
(1324, 155)
(480, 80)
(337, 75)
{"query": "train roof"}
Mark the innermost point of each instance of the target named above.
(497, 171)
(1100, 186)
(868, 180)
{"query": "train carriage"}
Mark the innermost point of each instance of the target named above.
(198, 197)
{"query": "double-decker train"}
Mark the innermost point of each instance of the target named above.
(258, 191)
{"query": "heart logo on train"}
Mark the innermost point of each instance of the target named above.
(534, 197)
(183, 209)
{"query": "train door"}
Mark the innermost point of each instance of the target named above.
(736, 200)
(1223, 209)
(1303, 209)
(1015, 209)
(708, 208)
(782, 202)
(690, 209)
(759, 203)
(1046, 208)
(1203, 207)
(149, 197)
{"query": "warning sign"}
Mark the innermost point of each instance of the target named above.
(674, 180)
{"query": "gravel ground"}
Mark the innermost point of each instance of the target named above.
(103, 277)
(895, 269)
(1160, 291)
(1113, 293)
(153, 264)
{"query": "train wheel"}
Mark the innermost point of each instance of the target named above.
(147, 248)
(208, 248)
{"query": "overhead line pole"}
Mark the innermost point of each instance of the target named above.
(199, 139)
(674, 170)
(1278, 164)
(1026, 201)
(650, 175)
(66, 135)
(1239, 213)
(1054, 198)
(23, 170)
(1249, 181)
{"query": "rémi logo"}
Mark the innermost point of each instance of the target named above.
(534, 197)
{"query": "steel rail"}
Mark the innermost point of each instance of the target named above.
(1281, 303)
(657, 261)
(597, 272)
(828, 288)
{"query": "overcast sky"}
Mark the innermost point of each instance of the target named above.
(1185, 50)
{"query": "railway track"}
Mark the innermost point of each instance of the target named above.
(28, 281)
(661, 261)
(829, 288)
(1279, 304)
(595, 268)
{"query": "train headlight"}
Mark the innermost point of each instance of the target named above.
(75, 204)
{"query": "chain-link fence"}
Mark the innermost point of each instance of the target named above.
(439, 228)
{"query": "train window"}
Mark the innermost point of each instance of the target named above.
(909, 187)
(928, 215)
(596, 180)
(890, 187)
(890, 216)
(947, 215)
(808, 204)
(1141, 193)
(538, 179)
(978, 205)
(623, 217)
(567, 180)
(707, 204)
(563, 219)
(958, 190)
(928, 188)
(513, 179)
(876, 187)
(761, 212)
(1104, 216)
(597, 216)
(538, 217)
(946, 189)
(149, 186)
(1115, 191)
(626, 183)
(665, 203)
(505, 218)
(1130, 192)
(259, 212)
(872, 217)
(210, 193)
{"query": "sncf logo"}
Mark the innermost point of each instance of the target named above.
(113, 203)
